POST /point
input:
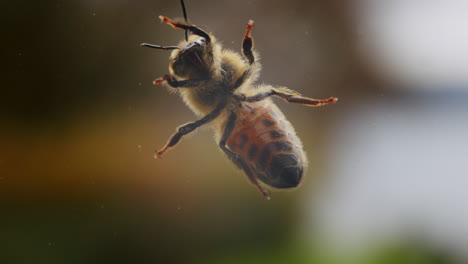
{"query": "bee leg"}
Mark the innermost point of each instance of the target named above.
(189, 127)
(294, 97)
(158, 47)
(247, 43)
(290, 96)
(175, 83)
(194, 29)
(236, 158)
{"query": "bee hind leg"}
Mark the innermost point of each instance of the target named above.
(236, 159)
(248, 171)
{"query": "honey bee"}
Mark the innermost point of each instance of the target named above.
(218, 85)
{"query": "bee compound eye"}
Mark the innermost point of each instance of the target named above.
(201, 41)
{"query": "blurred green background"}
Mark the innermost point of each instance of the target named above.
(80, 120)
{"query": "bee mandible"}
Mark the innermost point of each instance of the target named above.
(219, 86)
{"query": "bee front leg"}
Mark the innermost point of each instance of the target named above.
(189, 127)
(177, 84)
(247, 51)
(184, 26)
(247, 43)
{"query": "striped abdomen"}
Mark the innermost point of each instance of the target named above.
(267, 142)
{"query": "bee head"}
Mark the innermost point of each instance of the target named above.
(193, 59)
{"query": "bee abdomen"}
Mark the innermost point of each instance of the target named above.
(269, 149)
(278, 165)
(267, 142)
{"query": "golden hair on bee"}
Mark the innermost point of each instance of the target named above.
(218, 85)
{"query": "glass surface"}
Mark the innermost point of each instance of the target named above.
(80, 120)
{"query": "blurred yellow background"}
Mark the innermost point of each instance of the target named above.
(80, 120)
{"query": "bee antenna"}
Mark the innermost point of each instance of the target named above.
(185, 17)
(158, 47)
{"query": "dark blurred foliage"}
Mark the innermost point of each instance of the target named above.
(65, 58)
